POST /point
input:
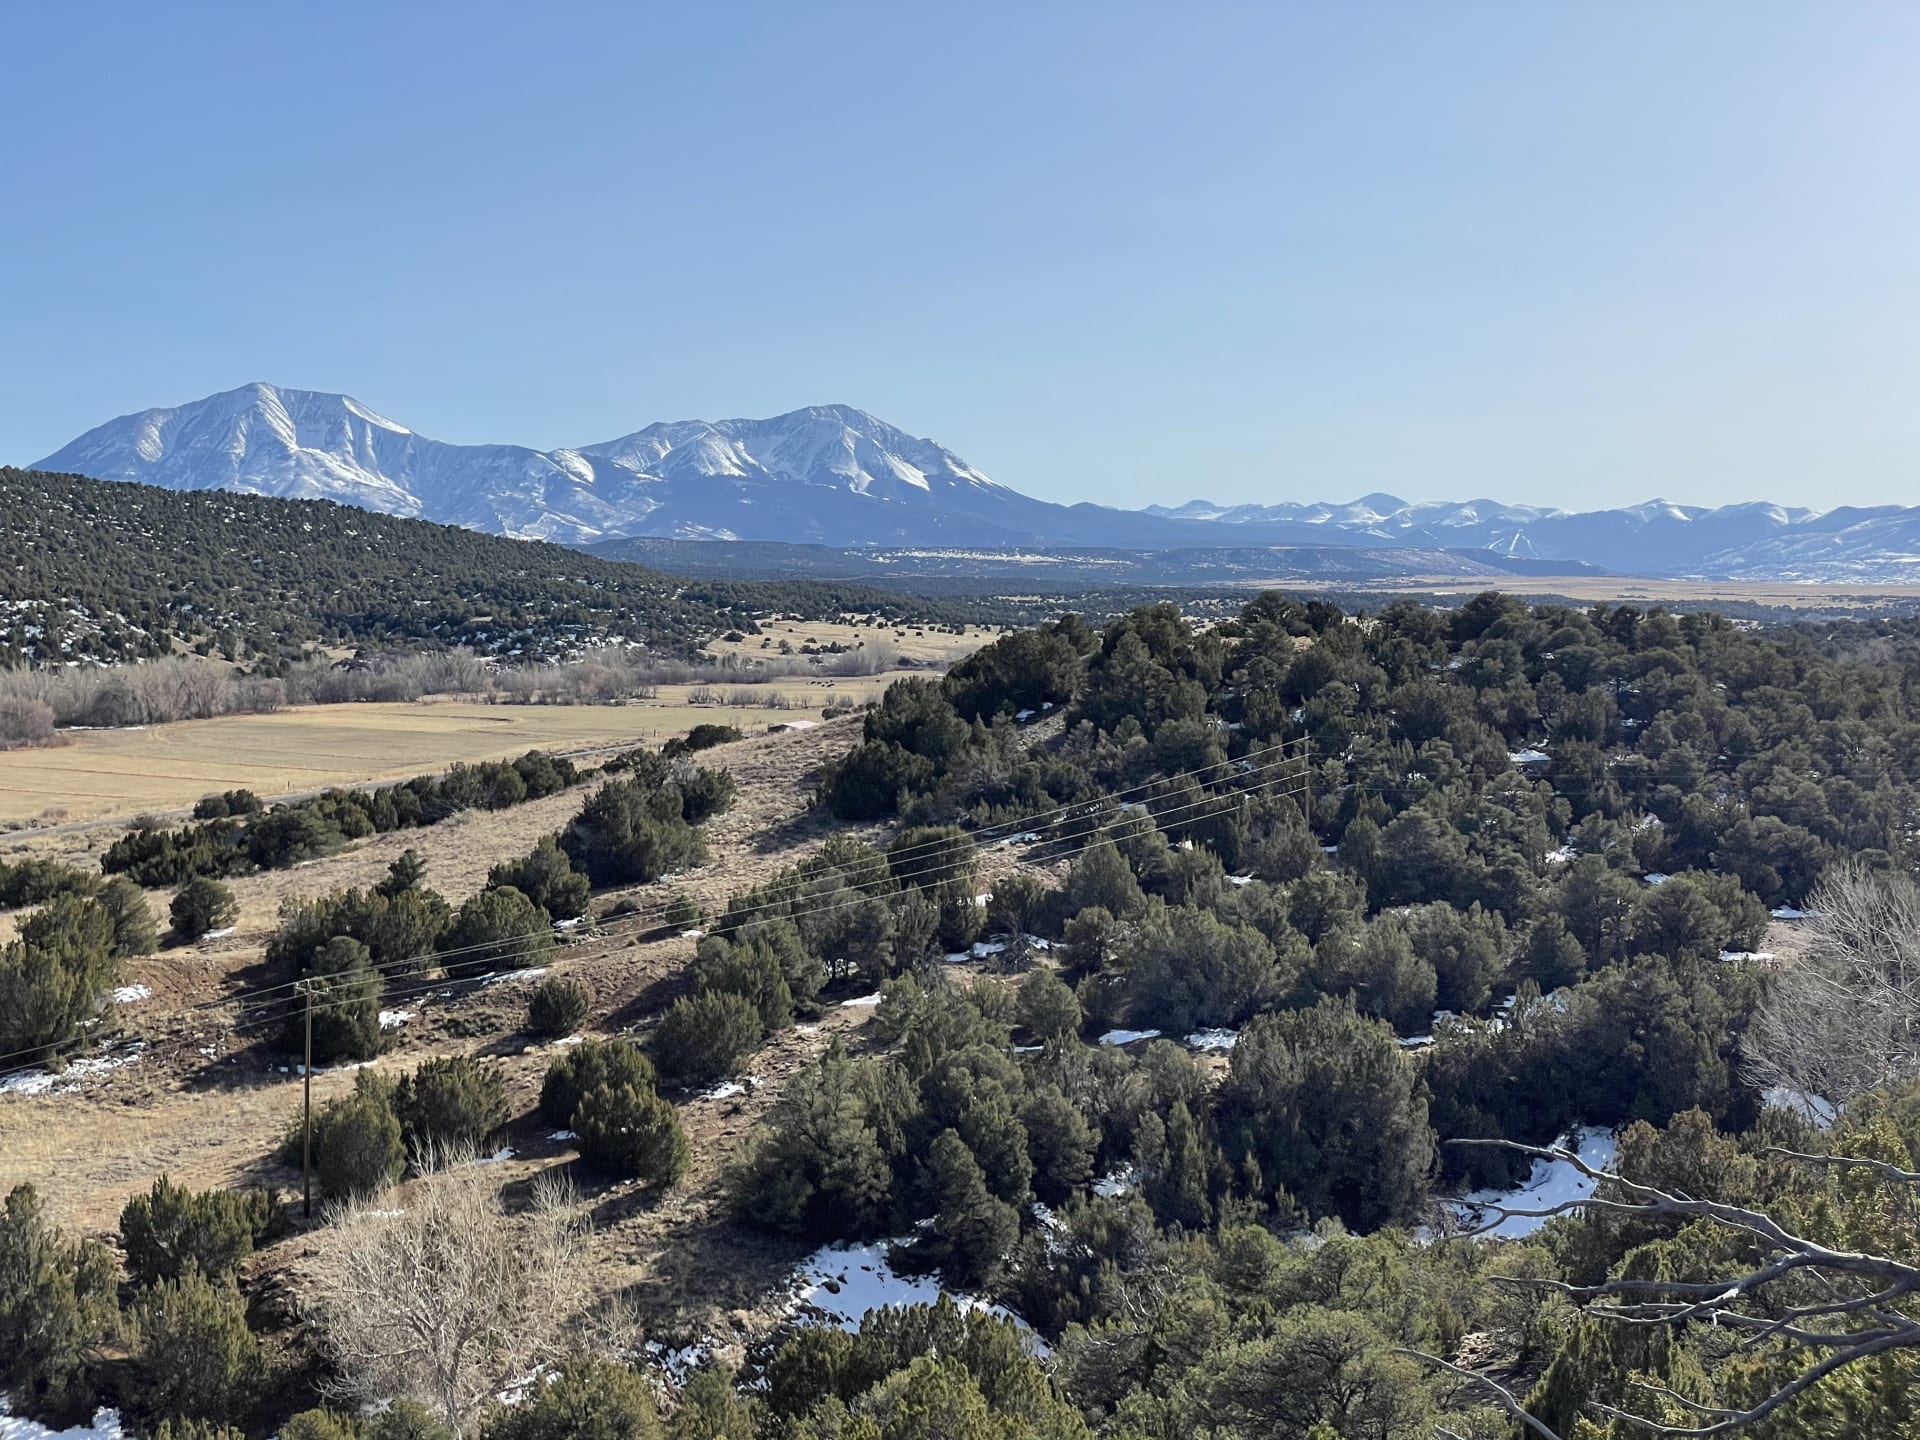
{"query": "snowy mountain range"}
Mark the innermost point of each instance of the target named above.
(1751, 541)
(833, 475)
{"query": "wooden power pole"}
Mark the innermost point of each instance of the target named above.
(306, 1122)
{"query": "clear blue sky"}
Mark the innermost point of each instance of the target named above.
(1574, 254)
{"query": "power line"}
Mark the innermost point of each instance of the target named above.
(947, 853)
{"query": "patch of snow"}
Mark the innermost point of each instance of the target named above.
(132, 994)
(515, 976)
(219, 934)
(73, 1079)
(1213, 1039)
(1656, 877)
(1115, 1182)
(1565, 855)
(861, 1002)
(1553, 1182)
(1528, 756)
(1746, 955)
(504, 1153)
(693, 934)
(983, 948)
(394, 1019)
(1023, 714)
(681, 1363)
(105, 1426)
(1818, 1112)
(1414, 1042)
(1788, 912)
(841, 1283)
(518, 1390)
(562, 1135)
(1128, 1037)
(1239, 879)
(572, 1040)
(572, 924)
(725, 1090)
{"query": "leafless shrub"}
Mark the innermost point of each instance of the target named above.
(26, 722)
(450, 1299)
(1846, 1017)
(149, 693)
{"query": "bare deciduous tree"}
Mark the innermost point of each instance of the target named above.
(1840, 1306)
(451, 1299)
(1845, 1019)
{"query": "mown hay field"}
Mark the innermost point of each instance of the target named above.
(105, 774)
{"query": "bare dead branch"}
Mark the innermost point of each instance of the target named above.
(1502, 1396)
(1837, 1274)
(1847, 1162)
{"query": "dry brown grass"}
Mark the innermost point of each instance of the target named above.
(919, 643)
(108, 774)
(208, 1105)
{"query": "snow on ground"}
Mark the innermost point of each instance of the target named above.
(219, 934)
(1212, 1039)
(1813, 1109)
(513, 976)
(1565, 855)
(1656, 877)
(74, 1078)
(394, 1019)
(1239, 879)
(840, 1283)
(1746, 954)
(105, 1426)
(1788, 912)
(727, 1089)
(1528, 756)
(1552, 1182)
(860, 1002)
(132, 994)
(1115, 1182)
(1128, 1037)
(682, 1362)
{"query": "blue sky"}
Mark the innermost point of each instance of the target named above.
(1577, 255)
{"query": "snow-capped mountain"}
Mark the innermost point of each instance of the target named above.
(832, 475)
(1753, 541)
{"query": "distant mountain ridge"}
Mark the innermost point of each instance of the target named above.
(836, 476)
(1755, 540)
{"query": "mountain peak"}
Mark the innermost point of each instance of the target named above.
(689, 478)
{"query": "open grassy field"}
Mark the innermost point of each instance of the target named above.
(920, 644)
(104, 774)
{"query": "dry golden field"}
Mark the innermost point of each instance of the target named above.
(920, 644)
(104, 774)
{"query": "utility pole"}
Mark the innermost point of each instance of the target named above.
(306, 1123)
(1306, 772)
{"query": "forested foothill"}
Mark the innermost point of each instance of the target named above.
(1203, 965)
(103, 571)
